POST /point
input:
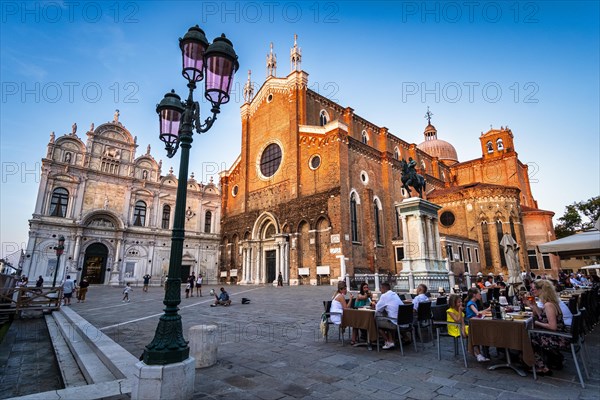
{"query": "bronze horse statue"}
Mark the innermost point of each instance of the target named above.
(411, 178)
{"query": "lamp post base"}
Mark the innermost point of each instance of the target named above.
(171, 381)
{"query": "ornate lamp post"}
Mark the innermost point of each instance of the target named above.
(217, 64)
(59, 250)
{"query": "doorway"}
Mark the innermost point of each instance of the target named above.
(185, 273)
(94, 263)
(271, 264)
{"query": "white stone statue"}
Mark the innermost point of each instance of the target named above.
(116, 116)
(52, 137)
(74, 128)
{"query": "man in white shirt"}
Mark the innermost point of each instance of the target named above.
(68, 288)
(387, 305)
(421, 296)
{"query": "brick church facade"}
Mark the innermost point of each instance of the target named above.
(315, 186)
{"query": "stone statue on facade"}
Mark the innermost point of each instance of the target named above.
(74, 128)
(52, 137)
(116, 116)
(411, 178)
(92, 127)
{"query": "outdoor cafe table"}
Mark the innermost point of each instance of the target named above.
(361, 319)
(503, 334)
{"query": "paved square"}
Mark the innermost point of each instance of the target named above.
(272, 349)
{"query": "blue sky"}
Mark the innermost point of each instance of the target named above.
(533, 66)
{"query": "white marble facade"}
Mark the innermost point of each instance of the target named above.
(116, 210)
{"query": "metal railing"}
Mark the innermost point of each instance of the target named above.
(16, 300)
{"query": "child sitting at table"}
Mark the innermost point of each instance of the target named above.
(455, 314)
(472, 311)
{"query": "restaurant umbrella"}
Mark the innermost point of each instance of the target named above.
(511, 253)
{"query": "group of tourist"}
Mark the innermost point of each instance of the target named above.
(192, 283)
(548, 311)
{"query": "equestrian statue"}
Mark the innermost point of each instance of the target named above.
(411, 178)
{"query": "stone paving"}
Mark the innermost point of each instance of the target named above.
(272, 349)
(27, 363)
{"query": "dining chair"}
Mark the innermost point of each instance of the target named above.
(402, 296)
(404, 323)
(441, 325)
(441, 300)
(424, 319)
(328, 313)
(576, 345)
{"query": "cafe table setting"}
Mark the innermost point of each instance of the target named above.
(361, 318)
(507, 330)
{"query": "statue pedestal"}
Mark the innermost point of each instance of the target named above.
(422, 261)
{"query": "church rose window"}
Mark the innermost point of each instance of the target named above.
(270, 160)
(315, 161)
(447, 218)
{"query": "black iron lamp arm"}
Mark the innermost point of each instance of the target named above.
(208, 122)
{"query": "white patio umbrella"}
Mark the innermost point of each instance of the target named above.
(511, 254)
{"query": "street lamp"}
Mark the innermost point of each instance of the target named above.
(216, 64)
(59, 250)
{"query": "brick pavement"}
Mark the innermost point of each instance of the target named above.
(271, 349)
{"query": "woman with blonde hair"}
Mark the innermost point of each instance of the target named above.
(339, 303)
(550, 317)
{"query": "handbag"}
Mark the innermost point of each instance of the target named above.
(324, 326)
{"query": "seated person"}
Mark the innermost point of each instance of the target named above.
(387, 306)
(339, 303)
(489, 283)
(364, 296)
(363, 299)
(479, 283)
(421, 296)
(546, 347)
(474, 296)
(222, 299)
(455, 313)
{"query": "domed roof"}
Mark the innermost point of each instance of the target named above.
(440, 149)
(436, 147)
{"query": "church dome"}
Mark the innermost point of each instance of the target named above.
(436, 147)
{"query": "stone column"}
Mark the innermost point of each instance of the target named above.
(39, 203)
(286, 262)
(430, 242)
(422, 240)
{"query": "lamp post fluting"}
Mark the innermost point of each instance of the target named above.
(216, 64)
(59, 250)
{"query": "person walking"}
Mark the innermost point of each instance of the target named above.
(199, 285)
(83, 289)
(146, 282)
(69, 287)
(279, 280)
(126, 292)
(39, 284)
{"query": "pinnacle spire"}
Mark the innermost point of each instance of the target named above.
(248, 88)
(295, 55)
(271, 63)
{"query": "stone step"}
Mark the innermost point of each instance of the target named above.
(114, 390)
(90, 364)
(119, 361)
(69, 370)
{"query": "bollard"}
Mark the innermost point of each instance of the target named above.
(203, 345)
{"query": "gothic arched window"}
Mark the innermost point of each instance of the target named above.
(59, 202)
(377, 219)
(166, 216)
(396, 153)
(354, 216)
(365, 137)
(207, 221)
(139, 214)
(323, 118)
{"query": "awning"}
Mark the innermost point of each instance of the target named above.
(588, 242)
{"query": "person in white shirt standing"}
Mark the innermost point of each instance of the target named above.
(387, 306)
(68, 289)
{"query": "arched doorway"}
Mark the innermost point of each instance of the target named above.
(94, 263)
